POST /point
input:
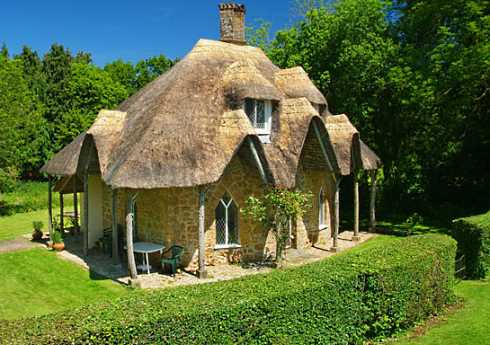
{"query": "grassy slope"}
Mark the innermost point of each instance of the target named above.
(21, 223)
(468, 325)
(36, 282)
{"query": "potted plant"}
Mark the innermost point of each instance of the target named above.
(37, 233)
(57, 240)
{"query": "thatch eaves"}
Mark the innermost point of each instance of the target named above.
(295, 83)
(243, 80)
(345, 140)
(65, 162)
(369, 159)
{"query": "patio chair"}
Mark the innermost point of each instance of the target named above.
(174, 260)
(106, 241)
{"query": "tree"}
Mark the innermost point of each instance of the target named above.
(123, 73)
(149, 69)
(276, 210)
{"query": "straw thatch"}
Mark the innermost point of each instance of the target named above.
(182, 129)
(369, 159)
(345, 140)
(69, 185)
(295, 83)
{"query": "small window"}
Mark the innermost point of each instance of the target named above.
(260, 114)
(322, 210)
(226, 214)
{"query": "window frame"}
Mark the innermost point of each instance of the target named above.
(322, 210)
(227, 206)
(267, 115)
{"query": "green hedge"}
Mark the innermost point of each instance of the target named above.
(368, 293)
(473, 236)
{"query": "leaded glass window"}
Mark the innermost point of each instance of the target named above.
(226, 214)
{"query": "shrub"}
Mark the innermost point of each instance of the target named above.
(368, 293)
(473, 236)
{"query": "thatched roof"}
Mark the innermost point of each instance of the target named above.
(182, 130)
(295, 83)
(369, 159)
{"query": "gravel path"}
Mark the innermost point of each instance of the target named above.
(18, 244)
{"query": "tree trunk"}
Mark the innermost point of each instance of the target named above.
(356, 236)
(129, 241)
(202, 248)
(372, 202)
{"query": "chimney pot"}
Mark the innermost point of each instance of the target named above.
(232, 23)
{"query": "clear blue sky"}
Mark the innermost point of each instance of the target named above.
(126, 29)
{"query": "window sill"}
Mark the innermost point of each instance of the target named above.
(227, 246)
(322, 227)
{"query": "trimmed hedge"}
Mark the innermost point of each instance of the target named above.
(473, 236)
(367, 293)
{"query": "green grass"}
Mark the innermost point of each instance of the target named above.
(36, 282)
(21, 223)
(29, 196)
(469, 325)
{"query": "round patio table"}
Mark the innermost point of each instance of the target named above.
(146, 248)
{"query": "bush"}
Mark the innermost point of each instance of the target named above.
(368, 293)
(473, 236)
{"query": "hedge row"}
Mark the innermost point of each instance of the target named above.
(368, 293)
(473, 236)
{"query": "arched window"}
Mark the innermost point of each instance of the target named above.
(322, 209)
(226, 214)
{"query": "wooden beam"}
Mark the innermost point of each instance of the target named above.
(372, 202)
(115, 234)
(62, 220)
(129, 237)
(50, 207)
(336, 215)
(322, 146)
(202, 247)
(75, 201)
(258, 161)
(85, 214)
(356, 236)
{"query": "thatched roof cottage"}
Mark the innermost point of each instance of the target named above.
(182, 155)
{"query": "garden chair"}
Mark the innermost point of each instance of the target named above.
(106, 241)
(174, 259)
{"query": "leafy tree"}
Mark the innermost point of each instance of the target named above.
(149, 69)
(124, 73)
(275, 210)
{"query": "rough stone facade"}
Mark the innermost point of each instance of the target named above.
(170, 216)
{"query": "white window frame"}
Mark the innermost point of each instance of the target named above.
(322, 210)
(266, 130)
(227, 243)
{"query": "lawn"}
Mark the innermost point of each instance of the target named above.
(37, 281)
(21, 223)
(468, 325)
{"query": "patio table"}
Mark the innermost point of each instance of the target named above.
(146, 248)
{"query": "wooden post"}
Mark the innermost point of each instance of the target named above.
(372, 202)
(202, 264)
(115, 234)
(50, 208)
(336, 215)
(75, 202)
(85, 214)
(263, 175)
(62, 225)
(129, 238)
(356, 236)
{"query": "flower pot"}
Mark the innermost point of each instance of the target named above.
(58, 246)
(37, 235)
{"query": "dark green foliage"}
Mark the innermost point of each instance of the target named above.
(473, 236)
(369, 293)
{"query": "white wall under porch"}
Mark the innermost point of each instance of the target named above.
(95, 210)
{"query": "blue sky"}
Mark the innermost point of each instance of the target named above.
(126, 29)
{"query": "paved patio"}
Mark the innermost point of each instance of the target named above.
(99, 264)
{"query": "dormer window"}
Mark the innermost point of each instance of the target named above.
(260, 114)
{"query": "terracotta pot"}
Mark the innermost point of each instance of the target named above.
(37, 235)
(58, 246)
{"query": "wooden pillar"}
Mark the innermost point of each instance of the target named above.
(50, 208)
(356, 236)
(115, 234)
(202, 263)
(62, 210)
(85, 214)
(336, 215)
(372, 202)
(129, 238)
(75, 201)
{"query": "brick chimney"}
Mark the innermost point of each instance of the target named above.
(232, 23)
